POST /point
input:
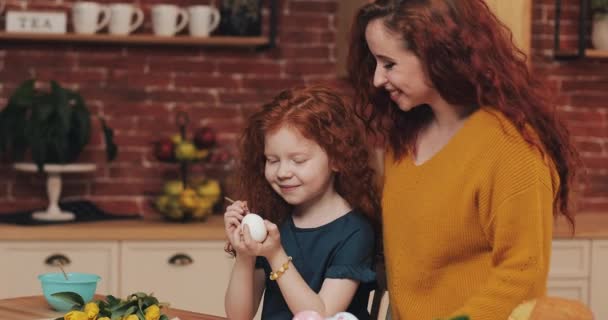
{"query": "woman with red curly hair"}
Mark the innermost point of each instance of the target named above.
(304, 166)
(476, 164)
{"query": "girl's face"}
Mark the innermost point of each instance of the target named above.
(398, 70)
(298, 169)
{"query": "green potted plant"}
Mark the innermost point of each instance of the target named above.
(52, 125)
(241, 17)
(599, 33)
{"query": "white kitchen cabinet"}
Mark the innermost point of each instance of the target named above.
(570, 270)
(22, 262)
(570, 259)
(576, 289)
(579, 270)
(599, 279)
(191, 275)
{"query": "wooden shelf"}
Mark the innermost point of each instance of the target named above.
(588, 53)
(213, 41)
(592, 53)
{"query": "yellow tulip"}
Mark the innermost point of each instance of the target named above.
(92, 310)
(75, 315)
(152, 312)
(132, 317)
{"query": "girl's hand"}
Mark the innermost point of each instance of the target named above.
(269, 247)
(233, 216)
(237, 240)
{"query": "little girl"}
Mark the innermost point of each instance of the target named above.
(304, 165)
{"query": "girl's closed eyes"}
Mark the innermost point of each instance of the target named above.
(299, 160)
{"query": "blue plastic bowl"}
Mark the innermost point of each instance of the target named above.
(84, 284)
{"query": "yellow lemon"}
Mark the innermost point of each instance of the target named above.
(175, 214)
(176, 138)
(188, 192)
(161, 203)
(210, 188)
(201, 212)
(152, 312)
(202, 154)
(173, 188)
(132, 317)
(92, 310)
(75, 315)
(205, 202)
(103, 318)
(185, 150)
(174, 209)
(188, 198)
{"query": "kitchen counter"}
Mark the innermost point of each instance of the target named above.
(588, 226)
(143, 229)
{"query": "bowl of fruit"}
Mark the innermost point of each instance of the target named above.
(187, 199)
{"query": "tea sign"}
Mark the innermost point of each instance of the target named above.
(36, 22)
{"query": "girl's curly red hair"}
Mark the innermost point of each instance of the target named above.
(320, 115)
(470, 59)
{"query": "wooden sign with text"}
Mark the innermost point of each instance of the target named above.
(36, 22)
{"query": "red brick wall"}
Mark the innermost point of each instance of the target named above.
(138, 89)
(582, 94)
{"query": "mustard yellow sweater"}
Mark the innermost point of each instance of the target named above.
(469, 231)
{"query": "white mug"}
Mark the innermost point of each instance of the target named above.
(121, 18)
(85, 17)
(203, 20)
(168, 19)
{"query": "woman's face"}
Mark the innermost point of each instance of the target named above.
(398, 70)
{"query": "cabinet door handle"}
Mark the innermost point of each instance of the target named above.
(57, 259)
(180, 259)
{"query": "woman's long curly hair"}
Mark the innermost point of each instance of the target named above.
(471, 60)
(320, 115)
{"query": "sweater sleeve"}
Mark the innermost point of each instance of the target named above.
(519, 228)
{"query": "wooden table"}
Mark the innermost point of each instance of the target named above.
(36, 308)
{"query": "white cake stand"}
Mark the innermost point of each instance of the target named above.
(53, 187)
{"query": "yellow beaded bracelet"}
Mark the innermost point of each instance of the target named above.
(274, 275)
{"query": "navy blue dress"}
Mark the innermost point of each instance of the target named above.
(341, 249)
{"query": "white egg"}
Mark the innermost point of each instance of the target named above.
(256, 225)
(344, 316)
